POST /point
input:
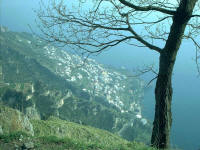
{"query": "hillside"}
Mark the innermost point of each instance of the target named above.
(41, 81)
(56, 134)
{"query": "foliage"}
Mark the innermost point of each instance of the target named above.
(14, 99)
(15, 135)
(91, 113)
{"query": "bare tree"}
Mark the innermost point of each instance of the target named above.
(91, 26)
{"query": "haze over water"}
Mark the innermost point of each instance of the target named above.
(186, 96)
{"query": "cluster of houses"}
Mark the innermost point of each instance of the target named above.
(98, 80)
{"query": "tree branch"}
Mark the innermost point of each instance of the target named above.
(144, 71)
(197, 57)
(195, 16)
(140, 39)
(147, 8)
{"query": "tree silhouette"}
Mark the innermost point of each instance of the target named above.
(90, 27)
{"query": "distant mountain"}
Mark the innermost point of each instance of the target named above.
(42, 81)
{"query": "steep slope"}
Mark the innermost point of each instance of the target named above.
(42, 80)
(56, 134)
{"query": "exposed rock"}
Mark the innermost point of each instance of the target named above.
(28, 146)
(21, 138)
(27, 125)
(13, 120)
(16, 146)
(1, 130)
(32, 113)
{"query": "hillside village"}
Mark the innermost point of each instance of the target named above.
(41, 81)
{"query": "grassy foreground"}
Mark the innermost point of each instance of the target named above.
(56, 134)
(15, 140)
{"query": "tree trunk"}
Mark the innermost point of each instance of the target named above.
(163, 94)
(163, 91)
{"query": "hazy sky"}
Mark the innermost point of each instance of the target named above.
(16, 14)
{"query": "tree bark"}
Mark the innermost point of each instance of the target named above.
(163, 94)
(163, 91)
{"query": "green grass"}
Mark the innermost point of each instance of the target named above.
(56, 143)
(60, 128)
(13, 136)
(58, 134)
(79, 145)
(63, 134)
